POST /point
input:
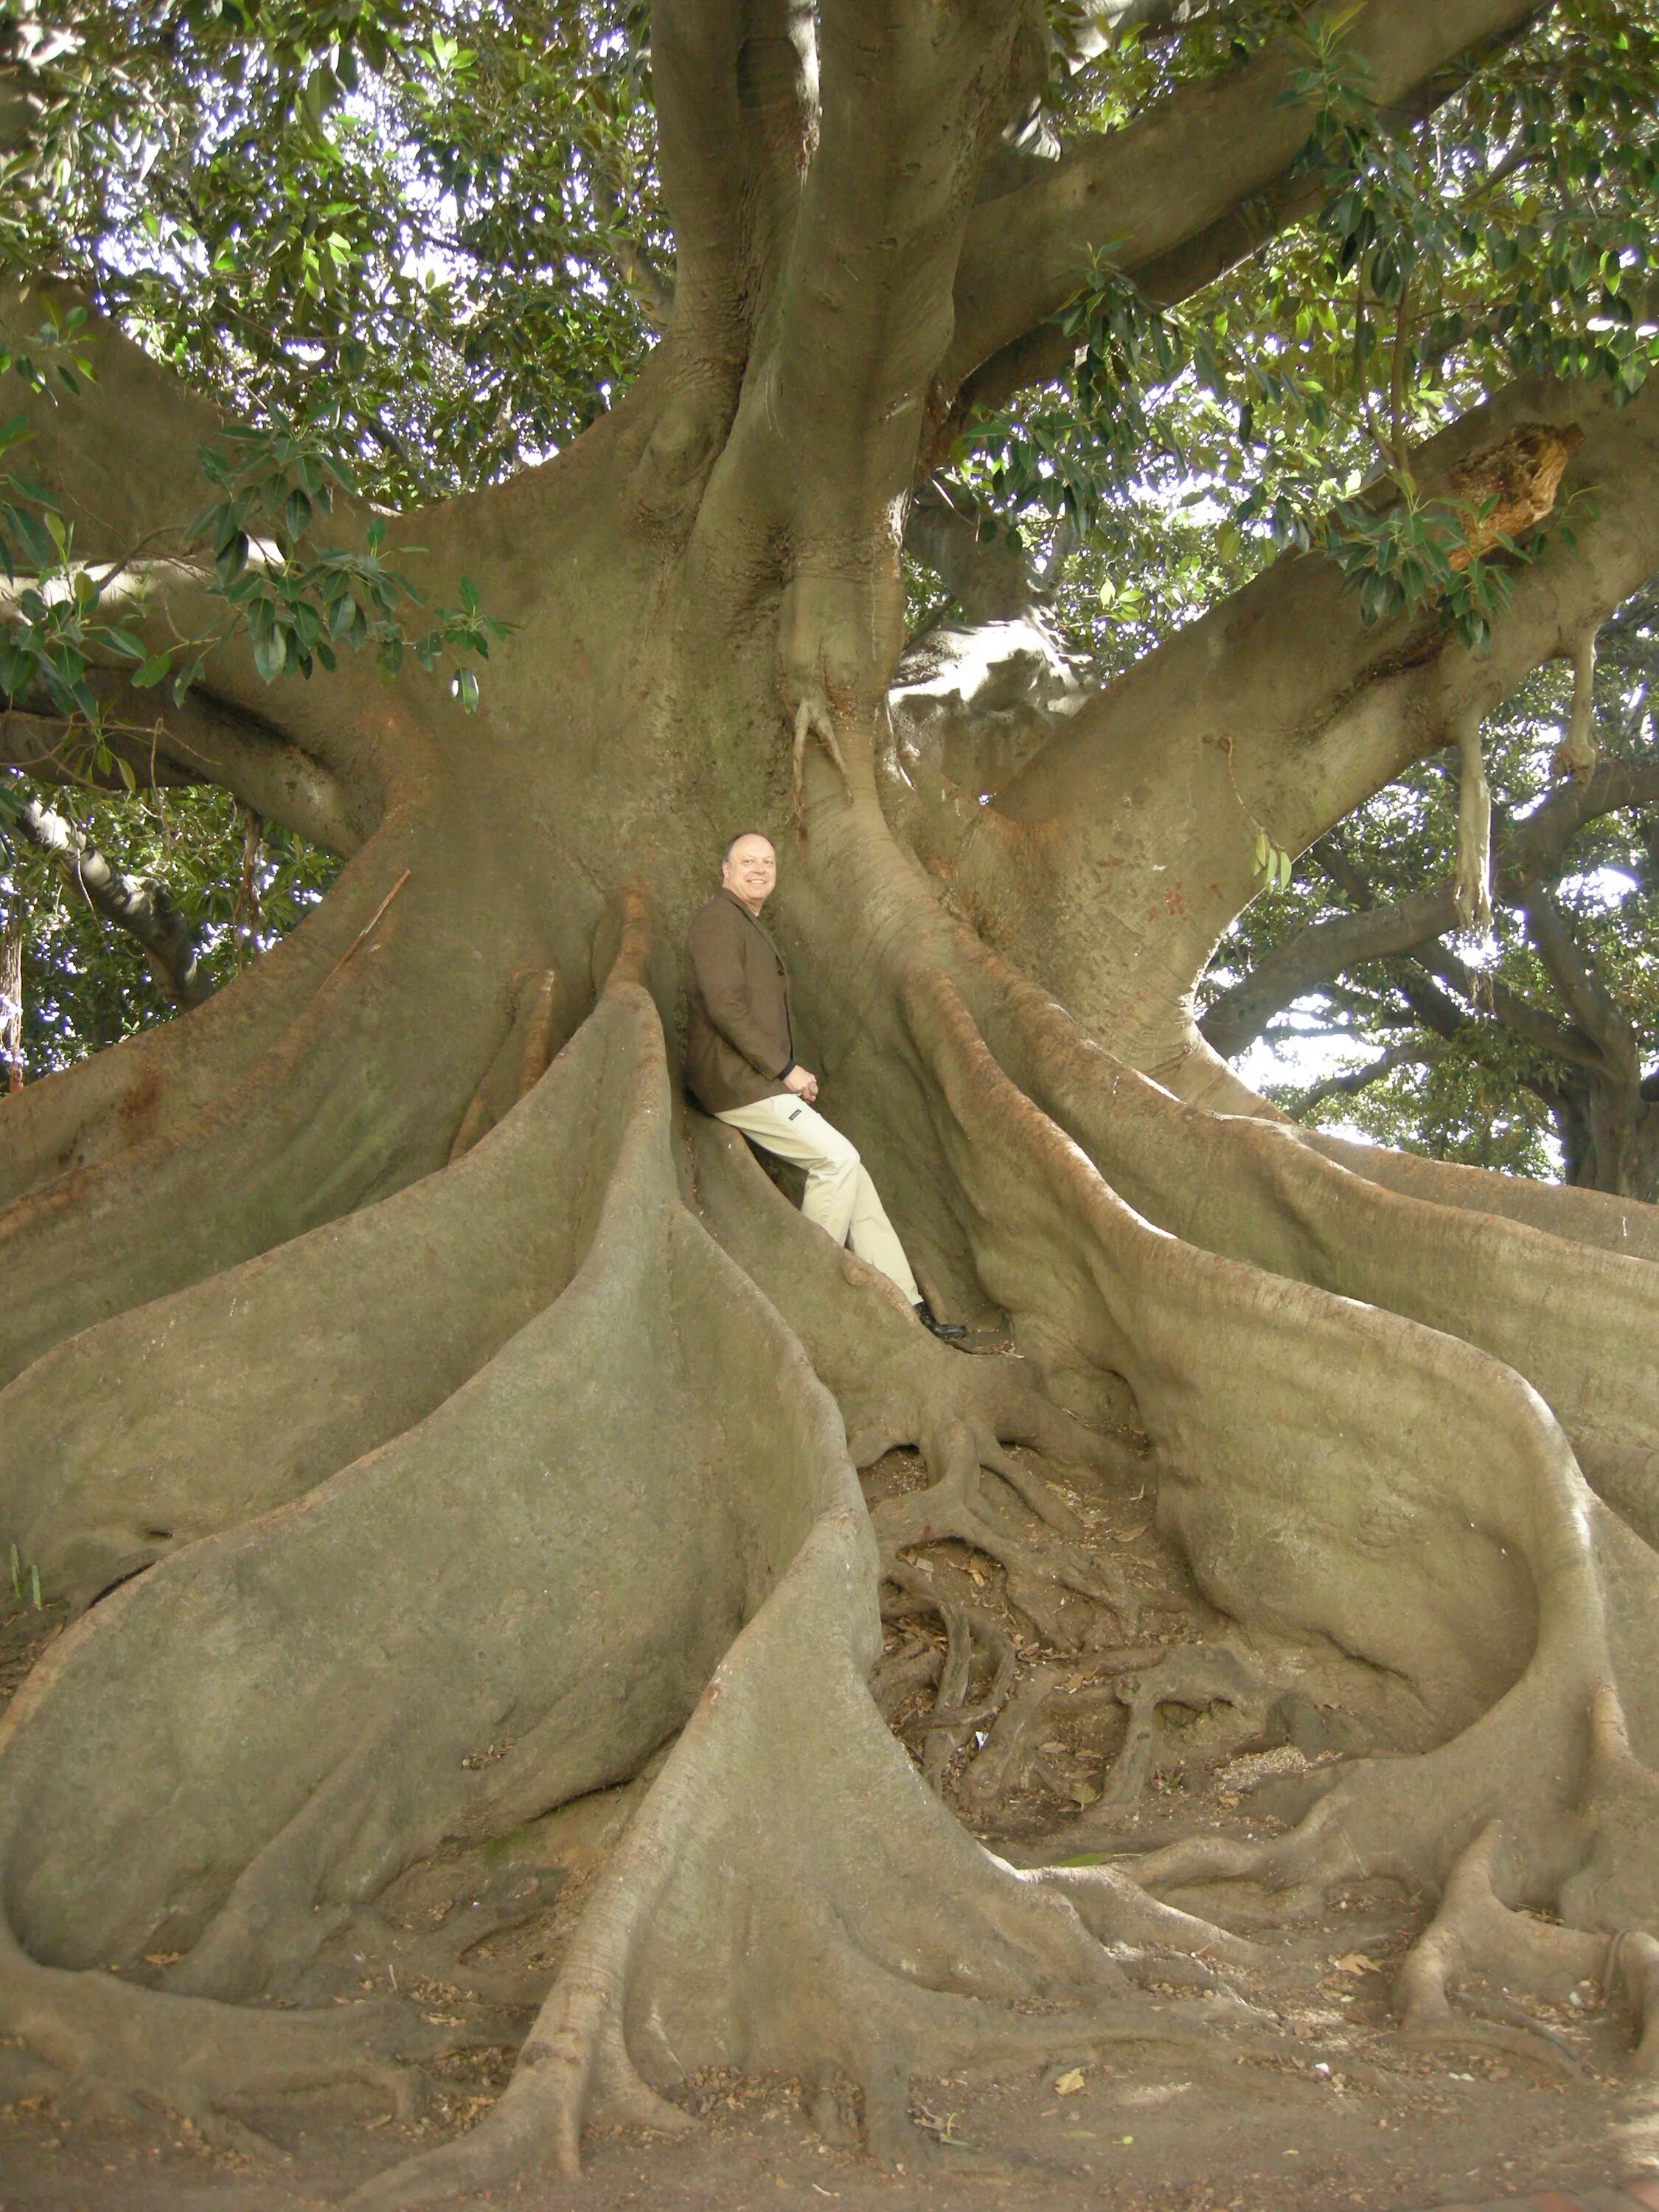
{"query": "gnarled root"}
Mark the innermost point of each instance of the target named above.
(1333, 1469)
(897, 1386)
(108, 2048)
(969, 1630)
(791, 1895)
(1475, 1933)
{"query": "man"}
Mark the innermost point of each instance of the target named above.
(740, 1063)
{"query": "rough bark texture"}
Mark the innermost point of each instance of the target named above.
(469, 1426)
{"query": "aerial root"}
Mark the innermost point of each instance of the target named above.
(1576, 755)
(1471, 888)
(1475, 1933)
(814, 717)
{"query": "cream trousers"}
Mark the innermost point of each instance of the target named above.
(839, 1196)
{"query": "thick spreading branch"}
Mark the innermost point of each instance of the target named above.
(200, 739)
(1281, 710)
(1199, 180)
(826, 439)
(1349, 1084)
(138, 905)
(119, 455)
(1530, 857)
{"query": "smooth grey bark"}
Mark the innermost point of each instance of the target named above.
(1337, 1465)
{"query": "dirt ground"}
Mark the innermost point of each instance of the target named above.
(1310, 2100)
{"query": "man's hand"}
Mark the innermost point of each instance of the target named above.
(802, 1082)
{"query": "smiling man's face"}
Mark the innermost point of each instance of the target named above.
(749, 872)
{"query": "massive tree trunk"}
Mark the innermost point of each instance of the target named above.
(402, 1271)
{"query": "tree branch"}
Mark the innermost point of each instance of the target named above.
(970, 551)
(203, 740)
(1183, 191)
(1515, 1012)
(137, 904)
(119, 455)
(1531, 856)
(1422, 1054)
(1586, 998)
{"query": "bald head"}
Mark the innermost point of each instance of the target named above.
(749, 870)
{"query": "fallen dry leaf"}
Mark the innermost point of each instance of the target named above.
(1356, 1962)
(1069, 2084)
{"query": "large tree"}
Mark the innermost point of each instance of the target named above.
(439, 1417)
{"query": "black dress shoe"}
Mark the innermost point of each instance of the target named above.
(949, 1332)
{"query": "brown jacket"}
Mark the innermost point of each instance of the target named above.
(738, 1039)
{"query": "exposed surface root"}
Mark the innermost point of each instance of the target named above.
(971, 1632)
(1288, 1493)
(1581, 1217)
(350, 1102)
(896, 1385)
(120, 1098)
(520, 1064)
(1475, 1933)
(108, 2049)
(786, 1817)
(1198, 1676)
(170, 1422)
(346, 1726)
(1560, 1312)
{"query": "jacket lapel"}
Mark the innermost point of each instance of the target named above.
(765, 935)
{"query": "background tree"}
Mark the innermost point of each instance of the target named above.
(1547, 1029)
(401, 1248)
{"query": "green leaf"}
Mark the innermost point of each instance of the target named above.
(151, 671)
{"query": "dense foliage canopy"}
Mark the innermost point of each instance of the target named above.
(418, 245)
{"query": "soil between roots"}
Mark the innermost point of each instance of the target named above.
(1345, 2117)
